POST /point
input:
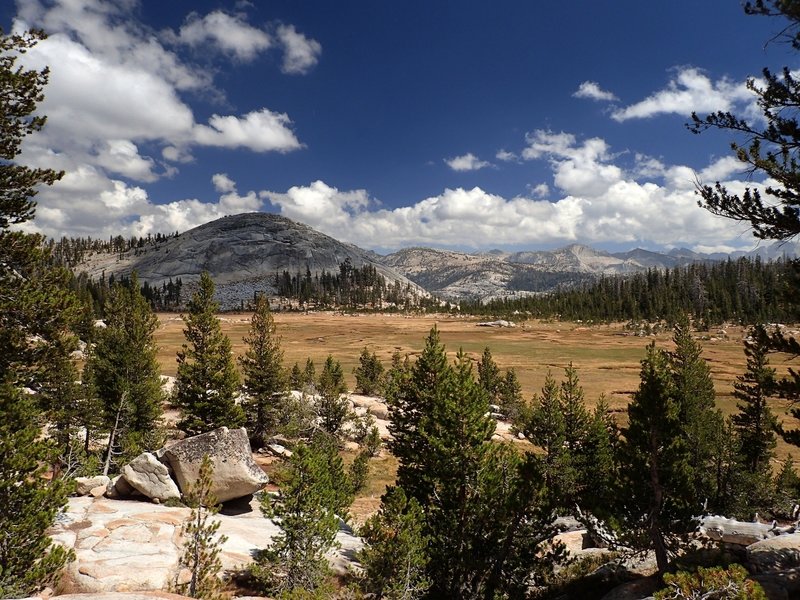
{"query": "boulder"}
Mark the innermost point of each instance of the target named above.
(84, 485)
(574, 541)
(235, 472)
(777, 553)
(151, 477)
(119, 488)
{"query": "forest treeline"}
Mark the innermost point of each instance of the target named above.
(71, 251)
(744, 290)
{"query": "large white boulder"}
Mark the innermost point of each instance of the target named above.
(84, 485)
(235, 472)
(149, 476)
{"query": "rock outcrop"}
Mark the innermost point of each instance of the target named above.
(235, 472)
(123, 546)
(150, 476)
(84, 485)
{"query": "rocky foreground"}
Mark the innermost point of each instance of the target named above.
(130, 545)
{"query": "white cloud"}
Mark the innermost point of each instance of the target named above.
(117, 114)
(690, 90)
(541, 190)
(230, 33)
(506, 156)
(122, 157)
(579, 169)
(260, 131)
(223, 183)
(300, 53)
(320, 202)
(593, 91)
(624, 211)
(466, 162)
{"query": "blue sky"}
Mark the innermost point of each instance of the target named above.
(469, 125)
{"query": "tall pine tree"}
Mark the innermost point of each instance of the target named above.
(656, 483)
(265, 380)
(36, 311)
(126, 372)
(694, 396)
(482, 502)
(28, 559)
(207, 381)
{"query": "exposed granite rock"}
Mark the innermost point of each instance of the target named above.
(235, 473)
(242, 253)
(150, 477)
(84, 485)
(125, 546)
(777, 553)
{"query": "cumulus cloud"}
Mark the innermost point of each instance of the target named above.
(118, 116)
(581, 169)
(230, 33)
(593, 91)
(261, 131)
(619, 210)
(541, 190)
(690, 90)
(300, 53)
(466, 162)
(223, 183)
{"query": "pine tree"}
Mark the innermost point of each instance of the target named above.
(787, 488)
(126, 372)
(546, 428)
(770, 150)
(333, 407)
(755, 422)
(394, 556)
(202, 544)
(313, 496)
(37, 314)
(308, 379)
(489, 375)
(512, 404)
(264, 377)
(61, 400)
(207, 381)
(656, 483)
(369, 374)
(296, 378)
(694, 396)
(409, 404)
(597, 462)
(573, 406)
(482, 502)
(28, 559)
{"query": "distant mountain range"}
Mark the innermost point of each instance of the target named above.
(244, 252)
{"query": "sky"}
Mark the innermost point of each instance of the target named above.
(468, 124)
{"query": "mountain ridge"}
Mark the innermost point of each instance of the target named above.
(244, 252)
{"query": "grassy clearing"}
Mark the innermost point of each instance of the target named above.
(606, 358)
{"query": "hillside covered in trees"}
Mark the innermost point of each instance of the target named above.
(744, 290)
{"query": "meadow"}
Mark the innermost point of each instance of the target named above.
(606, 356)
